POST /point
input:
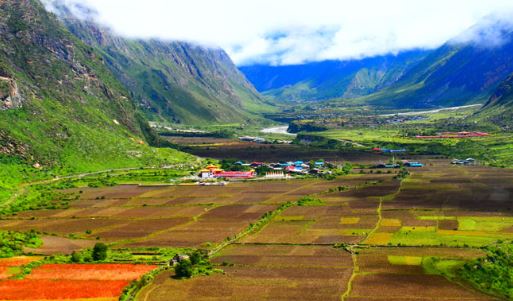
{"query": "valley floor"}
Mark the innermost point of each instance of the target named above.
(371, 238)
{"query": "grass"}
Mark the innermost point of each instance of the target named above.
(496, 150)
(404, 260)
(430, 236)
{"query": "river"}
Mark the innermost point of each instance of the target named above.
(277, 130)
(431, 111)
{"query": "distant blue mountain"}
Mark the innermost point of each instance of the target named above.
(331, 79)
(460, 72)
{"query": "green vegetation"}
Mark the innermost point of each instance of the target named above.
(493, 273)
(403, 174)
(198, 86)
(197, 264)
(12, 243)
(495, 150)
(130, 292)
(310, 201)
(75, 116)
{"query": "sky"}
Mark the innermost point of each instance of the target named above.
(283, 32)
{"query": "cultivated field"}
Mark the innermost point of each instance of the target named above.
(371, 237)
(233, 149)
(163, 216)
(264, 273)
(71, 281)
(390, 231)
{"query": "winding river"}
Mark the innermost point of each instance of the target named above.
(277, 130)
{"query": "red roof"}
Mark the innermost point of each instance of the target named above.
(235, 174)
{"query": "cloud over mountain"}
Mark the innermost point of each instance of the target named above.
(296, 31)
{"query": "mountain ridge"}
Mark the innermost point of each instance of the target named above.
(61, 105)
(172, 81)
(460, 72)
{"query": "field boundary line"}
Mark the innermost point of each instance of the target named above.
(378, 223)
(354, 274)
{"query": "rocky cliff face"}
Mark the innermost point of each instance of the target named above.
(503, 96)
(58, 99)
(10, 97)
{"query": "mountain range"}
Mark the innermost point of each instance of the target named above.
(331, 79)
(170, 81)
(75, 96)
(457, 73)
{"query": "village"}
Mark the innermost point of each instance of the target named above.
(283, 170)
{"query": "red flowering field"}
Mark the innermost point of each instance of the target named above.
(73, 281)
(90, 271)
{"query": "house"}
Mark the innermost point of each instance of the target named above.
(295, 169)
(468, 161)
(286, 164)
(299, 163)
(178, 258)
(234, 174)
(256, 164)
(393, 151)
(319, 164)
(206, 174)
(388, 151)
(384, 165)
(414, 164)
(276, 175)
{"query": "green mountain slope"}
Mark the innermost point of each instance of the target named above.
(457, 73)
(62, 110)
(174, 81)
(499, 108)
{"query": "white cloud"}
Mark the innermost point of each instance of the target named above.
(295, 31)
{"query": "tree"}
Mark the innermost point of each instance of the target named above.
(184, 269)
(100, 252)
(75, 257)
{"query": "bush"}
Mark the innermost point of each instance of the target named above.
(76, 257)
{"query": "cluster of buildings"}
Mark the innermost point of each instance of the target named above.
(252, 139)
(405, 163)
(299, 167)
(468, 161)
(261, 140)
(213, 171)
(388, 151)
(282, 170)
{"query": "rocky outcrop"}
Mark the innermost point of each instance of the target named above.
(10, 96)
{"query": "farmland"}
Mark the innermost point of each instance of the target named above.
(358, 235)
(72, 281)
(232, 148)
(387, 234)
